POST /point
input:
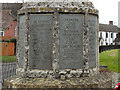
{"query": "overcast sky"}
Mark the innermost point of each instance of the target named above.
(108, 9)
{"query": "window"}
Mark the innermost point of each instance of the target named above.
(100, 34)
(15, 30)
(1, 33)
(106, 35)
(111, 35)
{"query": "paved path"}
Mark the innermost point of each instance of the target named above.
(6, 70)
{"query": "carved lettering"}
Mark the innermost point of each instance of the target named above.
(92, 22)
(21, 41)
(71, 41)
(41, 41)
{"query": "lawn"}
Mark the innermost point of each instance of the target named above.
(110, 58)
(7, 59)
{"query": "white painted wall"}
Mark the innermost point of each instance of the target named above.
(109, 39)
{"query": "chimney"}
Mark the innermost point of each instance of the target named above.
(110, 22)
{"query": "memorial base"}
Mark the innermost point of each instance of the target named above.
(93, 81)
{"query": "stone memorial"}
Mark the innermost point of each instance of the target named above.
(57, 37)
(57, 40)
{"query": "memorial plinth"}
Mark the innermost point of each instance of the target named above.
(58, 46)
(56, 40)
(94, 82)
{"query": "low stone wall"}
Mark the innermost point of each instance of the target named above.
(95, 80)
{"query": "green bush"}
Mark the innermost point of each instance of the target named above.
(13, 40)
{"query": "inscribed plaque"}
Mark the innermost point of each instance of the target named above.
(92, 24)
(21, 34)
(41, 41)
(71, 41)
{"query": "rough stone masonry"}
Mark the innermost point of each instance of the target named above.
(57, 45)
(57, 39)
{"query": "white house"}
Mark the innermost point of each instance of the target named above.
(107, 33)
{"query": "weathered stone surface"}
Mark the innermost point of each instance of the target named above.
(73, 73)
(21, 41)
(44, 74)
(94, 81)
(62, 77)
(71, 45)
(62, 6)
(59, 36)
(92, 25)
(51, 74)
(62, 72)
(41, 41)
(79, 73)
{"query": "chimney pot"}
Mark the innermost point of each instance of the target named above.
(110, 22)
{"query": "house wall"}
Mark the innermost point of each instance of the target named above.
(11, 30)
(108, 39)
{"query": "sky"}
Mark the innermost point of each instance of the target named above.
(108, 9)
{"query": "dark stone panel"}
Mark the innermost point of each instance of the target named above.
(41, 41)
(21, 41)
(71, 41)
(92, 25)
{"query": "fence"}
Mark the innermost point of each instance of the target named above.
(6, 70)
(108, 47)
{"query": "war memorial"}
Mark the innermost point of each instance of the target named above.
(58, 46)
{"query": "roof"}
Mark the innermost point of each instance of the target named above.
(7, 19)
(9, 13)
(108, 28)
(14, 7)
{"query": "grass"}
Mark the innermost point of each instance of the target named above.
(7, 59)
(110, 58)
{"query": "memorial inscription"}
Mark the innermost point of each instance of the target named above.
(92, 24)
(71, 44)
(21, 41)
(41, 41)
